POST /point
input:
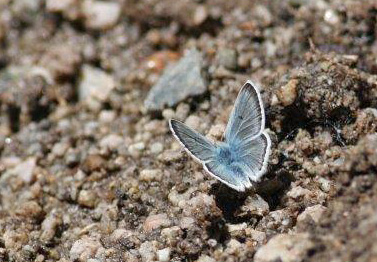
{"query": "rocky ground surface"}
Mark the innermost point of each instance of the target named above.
(89, 170)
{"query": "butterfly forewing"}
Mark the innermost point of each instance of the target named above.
(198, 145)
(247, 118)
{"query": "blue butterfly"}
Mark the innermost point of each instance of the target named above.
(243, 156)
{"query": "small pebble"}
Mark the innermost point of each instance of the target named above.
(84, 249)
(315, 212)
(93, 163)
(72, 157)
(50, 225)
(186, 222)
(107, 116)
(111, 142)
(182, 111)
(149, 175)
(200, 15)
(284, 247)
(156, 221)
(14, 240)
(147, 251)
(171, 233)
(237, 229)
(216, 132)
(193, 122)
(324, 184)
(256, 235)
(136, 149)
(170, 156)
(95, 86)
(59, 149)
(233, 246)
(29, 209)
(168, 113)
(24, 170)
(297, 192)
(205, 258)
(255, 205)
(156, 148)
(163, 255)
(87, 198)
(227, 58)
(100, 15)
(287, 94)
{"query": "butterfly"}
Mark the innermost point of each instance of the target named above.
(243, 155)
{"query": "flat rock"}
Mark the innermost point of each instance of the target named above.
(178, 82)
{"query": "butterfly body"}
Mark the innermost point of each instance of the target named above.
(243, 155)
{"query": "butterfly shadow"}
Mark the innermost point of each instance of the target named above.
(271, 189)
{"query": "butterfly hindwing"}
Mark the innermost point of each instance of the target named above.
(254, 154)
(233, 175)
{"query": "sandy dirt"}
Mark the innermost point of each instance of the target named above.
(89, 170)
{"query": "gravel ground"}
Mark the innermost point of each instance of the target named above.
(89, 170)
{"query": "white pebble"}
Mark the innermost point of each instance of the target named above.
(106, 116)
(163, 255)
(111, 142)
(151, 175)
(101, 14)
(136, 149)
(156, 148)
(193, 122)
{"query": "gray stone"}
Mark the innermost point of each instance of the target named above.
(177, 83)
